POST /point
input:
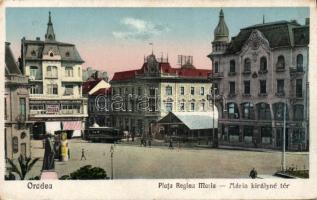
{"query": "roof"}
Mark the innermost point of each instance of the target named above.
(164, 68)
(35, 49)
(101, 91)
(278, 34)
(193, 120)
(88, 85)
(11, 66)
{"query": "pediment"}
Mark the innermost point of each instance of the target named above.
(255, 41)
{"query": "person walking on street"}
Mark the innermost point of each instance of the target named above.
(149, 142)
(68, 152)
(253, 173)
(171, 144)
(83, 154)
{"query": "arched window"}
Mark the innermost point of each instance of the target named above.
(247, 65)
(51, 54)
(216, 67)
(264, 112)
(233, 112)
(247, 110)
(263, 64)
(299, 63)
(280, 63)
(168, 90)
(298, 112)
(33, 53)
(232, 66)
(15, 144)
(278, 109)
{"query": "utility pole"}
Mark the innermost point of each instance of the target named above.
(284, 138)
(215, 138)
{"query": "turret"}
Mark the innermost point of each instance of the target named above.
(221, 35)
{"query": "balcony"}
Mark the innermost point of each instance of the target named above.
(262, 94)
(263, 71)
(280, 69)
(280, 94)
(232, 73)
(16, 79)
(246, 72)
(54, 96)
(60, 113)
(217, 75)
(232, 95)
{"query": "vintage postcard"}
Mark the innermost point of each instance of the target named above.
(158, 100)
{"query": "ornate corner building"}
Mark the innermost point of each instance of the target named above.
(55, 74)
(256, 73)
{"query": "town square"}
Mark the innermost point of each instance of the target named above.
(156, 93)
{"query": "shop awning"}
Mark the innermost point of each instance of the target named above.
(72, 125)
(193, 120)
(51, 127)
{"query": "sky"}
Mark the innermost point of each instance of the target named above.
(117, 39)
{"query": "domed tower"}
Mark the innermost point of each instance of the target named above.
(221, 35)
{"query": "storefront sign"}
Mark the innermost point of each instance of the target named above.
(52, 108)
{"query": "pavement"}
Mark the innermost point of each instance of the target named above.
(132, 161)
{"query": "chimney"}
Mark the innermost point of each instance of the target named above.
(38, 38)
(307, 21)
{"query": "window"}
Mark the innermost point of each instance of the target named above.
(280, 86)
(71, 108)
(248, 111)
(278, 109)
(51, 71)
(67, 54)
(33, 53)
(202, 91)
(266, 135)
(182, 90)
(22, 108)
(232, 87)
(299, 63)
(264, 112)
(68, 89)
(232, 66)
(280, 63)
(182, 106)
(15, 144)
(33, 71)
(299, 88)
(248, 131)
(247, 65)
(37, 107)
(233, 112)
(203, 106)
(192, 91)
(298, 112)
(139, 91)
(216, 67)
(262, 86)
(120, 91)
(192, 106)
(169, 107)
(168, 90)
(51, 54)
(36, 89)
(263, 64)
(52, 89)
(69, 72)
(246, 87)
(5, 109)
(216, 87)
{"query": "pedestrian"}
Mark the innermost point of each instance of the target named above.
(149, 142)
(253, 173)
(178, 146)
(68, 152)
(171, 144)
(83, 154)
(141, 142)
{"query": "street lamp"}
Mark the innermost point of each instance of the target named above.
(111, 154)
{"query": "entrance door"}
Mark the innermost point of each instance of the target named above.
(23, 149)
(279, 138)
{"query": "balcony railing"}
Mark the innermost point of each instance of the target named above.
(61, 112)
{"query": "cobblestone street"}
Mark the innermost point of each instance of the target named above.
(133, 161)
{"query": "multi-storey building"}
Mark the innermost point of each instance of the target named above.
(16, 131)
(257, 74)
(141, 97)
(55, 73)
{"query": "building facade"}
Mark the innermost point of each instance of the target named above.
(55, 73)
(143, 96)
(257, 74)
(16, 111)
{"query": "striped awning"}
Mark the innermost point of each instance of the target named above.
(72, 125)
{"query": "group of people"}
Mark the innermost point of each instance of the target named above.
(144, 142)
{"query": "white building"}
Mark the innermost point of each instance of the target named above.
(55, 73)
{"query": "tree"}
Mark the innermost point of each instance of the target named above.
(24, 166)
(86, 172)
